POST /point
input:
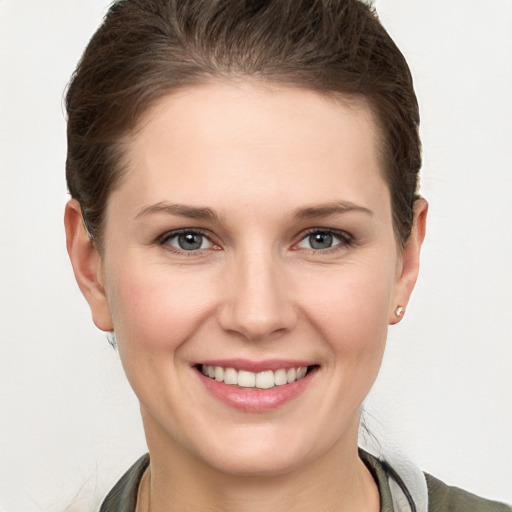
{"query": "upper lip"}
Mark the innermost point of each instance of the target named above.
(256, 366)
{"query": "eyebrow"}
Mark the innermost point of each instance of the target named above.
(181, 210)
(324, 210)
(203, 213)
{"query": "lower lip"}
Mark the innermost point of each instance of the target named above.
(254, 399)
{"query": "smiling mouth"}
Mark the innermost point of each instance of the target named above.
(257, 380)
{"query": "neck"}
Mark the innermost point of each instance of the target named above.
(336, 481)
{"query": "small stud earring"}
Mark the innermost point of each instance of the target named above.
(399, 311)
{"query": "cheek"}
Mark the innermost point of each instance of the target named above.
(154, 309)
(350, 308)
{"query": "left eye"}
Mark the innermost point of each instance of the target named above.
(321, 240)
(188, 241)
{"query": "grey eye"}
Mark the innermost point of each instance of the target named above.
(321, 240)
(189, 241)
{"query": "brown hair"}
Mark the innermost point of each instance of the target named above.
(145, 49)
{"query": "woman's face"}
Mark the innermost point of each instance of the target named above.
(252, 234)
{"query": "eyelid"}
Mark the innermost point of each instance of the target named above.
(163, 239)
(346, 238)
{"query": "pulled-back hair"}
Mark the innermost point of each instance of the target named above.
(145, 49)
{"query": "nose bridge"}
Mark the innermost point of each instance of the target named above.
(256, 301)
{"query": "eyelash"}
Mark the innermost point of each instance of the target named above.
(345, 240)
(164, 239)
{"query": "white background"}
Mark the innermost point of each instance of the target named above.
(69, 423)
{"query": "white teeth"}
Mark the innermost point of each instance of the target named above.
(262, 380)
(265, 380)
(280, 377)
(219, 374)
(230, 376)
(291, 375)
(301, 372)
(246, 379)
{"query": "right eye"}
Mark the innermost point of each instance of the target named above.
(187, 241)
(323, 240)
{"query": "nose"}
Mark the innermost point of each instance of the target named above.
(257, 301)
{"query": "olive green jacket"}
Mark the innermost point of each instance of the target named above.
(441, 497)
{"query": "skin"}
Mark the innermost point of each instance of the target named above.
(255, 155)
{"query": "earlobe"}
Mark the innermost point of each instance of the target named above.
(87, 265)
(410, 263)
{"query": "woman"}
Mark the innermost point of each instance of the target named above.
(245, 222)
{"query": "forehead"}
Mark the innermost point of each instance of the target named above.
(249, 140)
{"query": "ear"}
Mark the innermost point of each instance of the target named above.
(87, 265)
(409, 265)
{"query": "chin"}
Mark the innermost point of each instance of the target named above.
(257, 464)
(260, 454)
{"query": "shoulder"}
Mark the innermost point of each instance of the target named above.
(444, 498)
(123, 496)
(404, 487)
